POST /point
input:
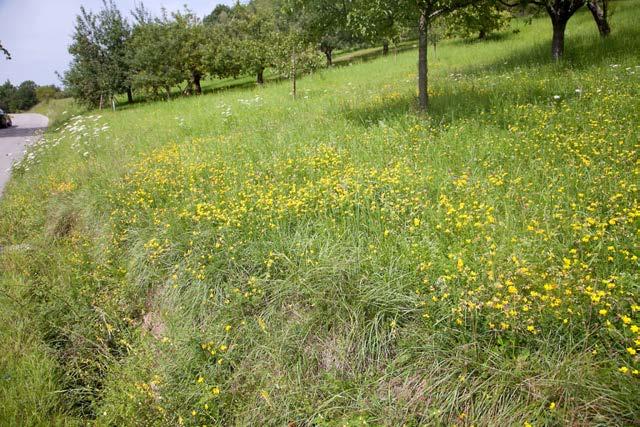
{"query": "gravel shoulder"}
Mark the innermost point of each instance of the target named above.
(26, 129)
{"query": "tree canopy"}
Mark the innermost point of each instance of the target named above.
(20, 98)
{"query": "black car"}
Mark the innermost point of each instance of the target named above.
(5, 120)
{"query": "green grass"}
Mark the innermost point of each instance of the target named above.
(242, 258)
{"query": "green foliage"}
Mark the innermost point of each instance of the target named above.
(154, 62)
(49, 92)
(99, 69)
(257, 37)
(325, 23)
(21, 98)
(477, 21)
(192, 47)
(378, 21)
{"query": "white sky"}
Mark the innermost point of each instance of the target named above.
(38, 32)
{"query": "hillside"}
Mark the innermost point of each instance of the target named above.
(243, 258)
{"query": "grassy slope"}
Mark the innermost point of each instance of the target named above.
(246, 259)
(57, 110)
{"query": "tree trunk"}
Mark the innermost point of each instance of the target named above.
(260, 78)
(600, 16)
(482, 35)
(196, 83)
(557, 45)
(168, 90)
(329, 54)
(101, 101)
(129, 95)
(423, 94)
(294, 70)
(385, 48)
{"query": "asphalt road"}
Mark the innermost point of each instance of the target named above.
(26, 129)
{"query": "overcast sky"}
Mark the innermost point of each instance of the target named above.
(37, 33)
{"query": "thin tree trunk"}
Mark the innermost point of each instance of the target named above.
(113, 103)
(385, 48)
(482, 35)
(557, 44)
(260, 78)
(168, 90)
(129, 95)
(423, 66)
(294, 70)
(600, 16)
(101, 101)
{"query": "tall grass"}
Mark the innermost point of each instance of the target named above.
(246, 259)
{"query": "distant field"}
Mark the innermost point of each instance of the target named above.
(241, 258)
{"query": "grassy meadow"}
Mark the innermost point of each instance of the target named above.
(58, 111)
(243, 258)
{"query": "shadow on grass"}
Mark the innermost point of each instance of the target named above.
(371, 54)
(464, 100)
(581, 50)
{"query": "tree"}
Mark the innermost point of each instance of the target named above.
(7, 96)
(256, 37)
(19, 98)
(295, 55)
(47, 93)
(560, 12)
(478, 20)
(326, 23)
(113, 32)
(152, 56)
(4, 51)
(191, 41)
(25, 96)
(376, 23)
(99, 69)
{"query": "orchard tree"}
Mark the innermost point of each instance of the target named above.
(478, 20)
(83, 78)
(326, 23)
(422, 13)
(223, 57)
(191, 41)
(113, 32)
(256, 37)
(377, 23)
(99, 67)
(295, 54)
(560, 12)
(155, 66)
